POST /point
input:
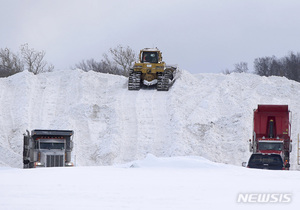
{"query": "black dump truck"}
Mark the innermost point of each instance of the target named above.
(47, 148)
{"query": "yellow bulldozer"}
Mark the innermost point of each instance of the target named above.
(150, 70)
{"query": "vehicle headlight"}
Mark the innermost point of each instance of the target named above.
(69, 164)
(38, 164)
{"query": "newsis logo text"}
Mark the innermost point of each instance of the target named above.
(264, 198)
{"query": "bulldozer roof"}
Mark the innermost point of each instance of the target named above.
(150, 49)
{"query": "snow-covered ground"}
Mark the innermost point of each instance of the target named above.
(196, 133)
(152, 183)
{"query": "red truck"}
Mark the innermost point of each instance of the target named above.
(271, 136)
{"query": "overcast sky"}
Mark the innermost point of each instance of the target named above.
(200, 36)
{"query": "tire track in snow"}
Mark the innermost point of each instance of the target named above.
(162, 121)
(145, 124)
(153, 122)
(128, 143)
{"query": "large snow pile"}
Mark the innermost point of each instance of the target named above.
(208, 115)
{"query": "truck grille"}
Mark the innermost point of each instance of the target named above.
(55, 161)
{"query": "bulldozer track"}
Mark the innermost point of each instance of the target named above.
(134, 81)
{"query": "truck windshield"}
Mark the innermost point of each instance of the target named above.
(265, 159)
(51, 145)
(270, 146)
(150, 57)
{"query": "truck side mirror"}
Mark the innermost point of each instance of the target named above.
(244, 164)
(291, 147)
(250, 147)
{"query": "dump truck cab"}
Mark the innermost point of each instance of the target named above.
(47, 148)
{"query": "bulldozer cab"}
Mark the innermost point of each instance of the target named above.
(149, 57)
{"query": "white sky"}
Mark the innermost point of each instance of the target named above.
(200, 36)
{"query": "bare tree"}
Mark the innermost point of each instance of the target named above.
(34, 60)
(122, 58)
(88, 65)
(102, 66)
(118, 61)
(10, 63)
(238, 68)
(226, 71)
(262, 66)
(292, 66)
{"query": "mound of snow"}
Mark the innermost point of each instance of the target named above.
(208, 115)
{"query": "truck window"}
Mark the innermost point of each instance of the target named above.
(150, 57)
(270, 146)
(51, 145)
(266, 159)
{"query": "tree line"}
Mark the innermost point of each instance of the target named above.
(117, 61)
(120, 59)
(28, 58)
(287, 66)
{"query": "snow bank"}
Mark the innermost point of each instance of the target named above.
(208, 115)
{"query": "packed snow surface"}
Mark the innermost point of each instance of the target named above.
(208, 115)
(173, 183)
